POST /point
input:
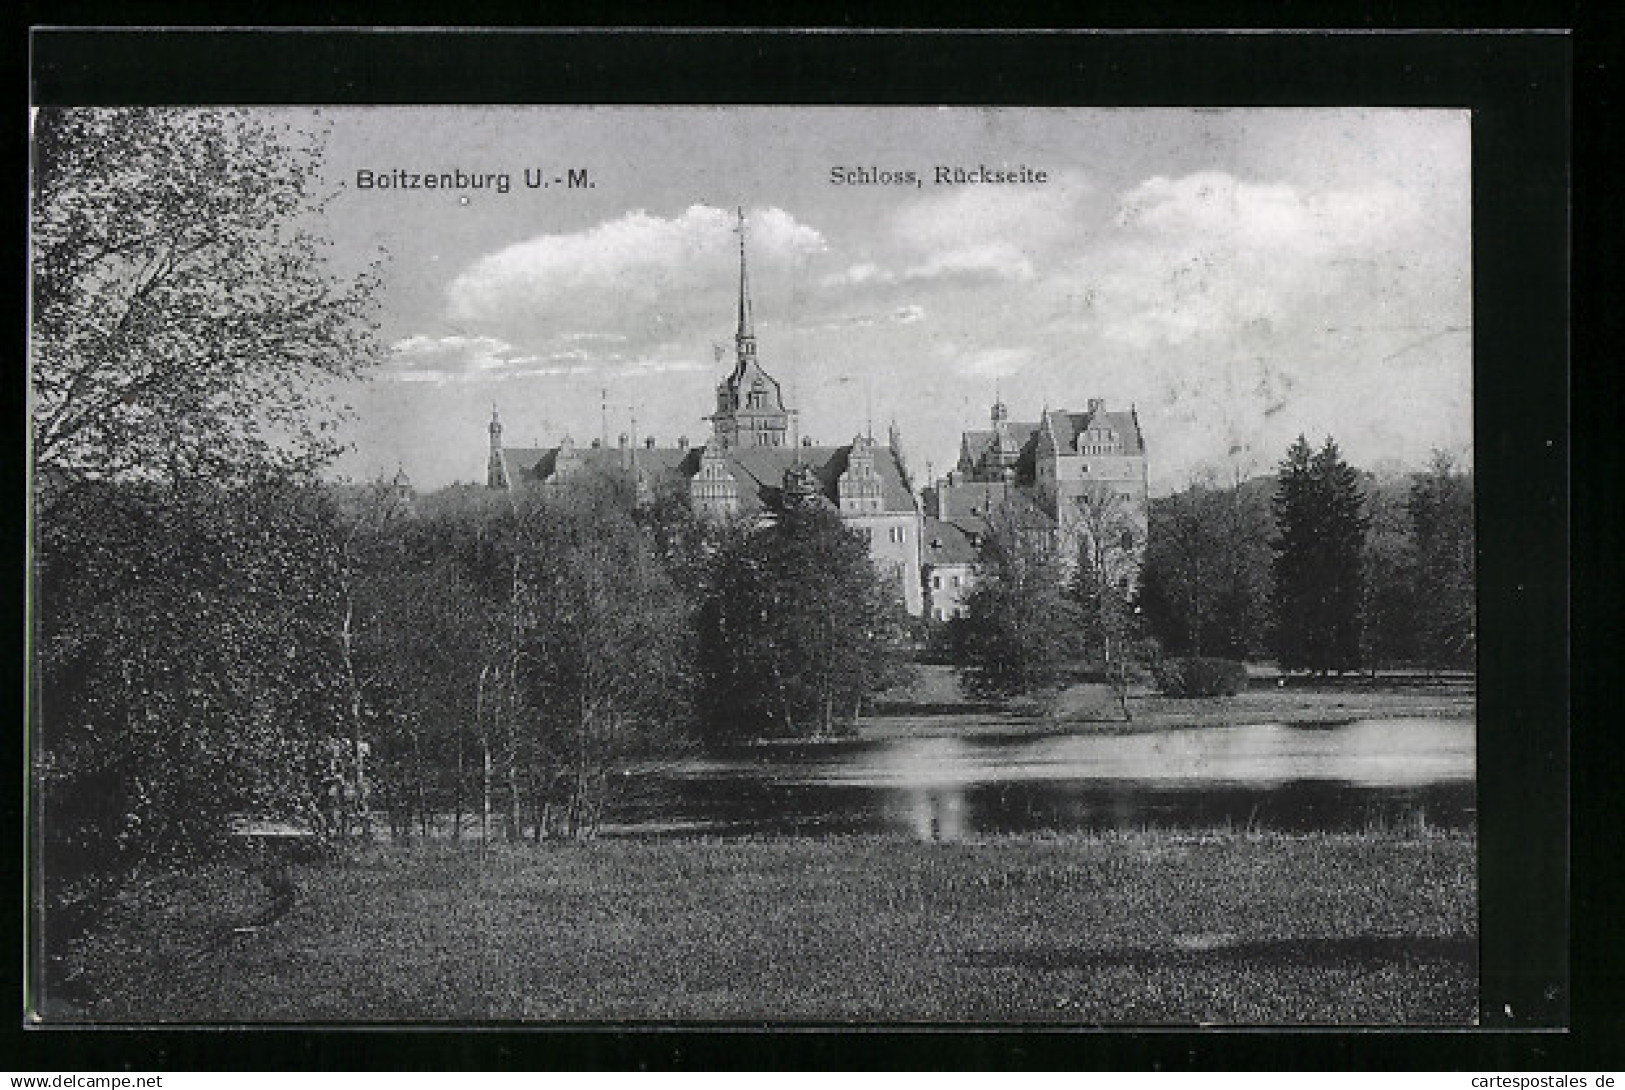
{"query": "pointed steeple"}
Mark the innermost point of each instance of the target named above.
(750, 407)
(496, 466)
(745, 338)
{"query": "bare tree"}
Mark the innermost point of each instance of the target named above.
(1109, 540)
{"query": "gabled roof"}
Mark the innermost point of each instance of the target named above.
(525, 462)
(1068, 425)
(977, 443)
(758, 471)
(971, 503)
(945, 543)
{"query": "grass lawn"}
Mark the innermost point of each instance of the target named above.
(1094, 708)
(1149, 927)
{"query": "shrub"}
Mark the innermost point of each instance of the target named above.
(1189, 677)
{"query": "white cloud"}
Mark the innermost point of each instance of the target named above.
(637, 295)
(457, 358)
(1223, 210)
(436, 359)
(864, 272)
(909, 314)
(637, 272)
(1020, 216)
(989, 363)
(994, 260)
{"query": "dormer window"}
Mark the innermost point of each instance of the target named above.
(1096, 441)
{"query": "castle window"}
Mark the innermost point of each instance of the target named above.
(936, 582)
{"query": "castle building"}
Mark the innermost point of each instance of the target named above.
(752, 466)
(1069, 480)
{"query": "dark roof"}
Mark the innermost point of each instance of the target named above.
(759, 471)
(945, 543)
(760, 474)
(971, 502)
(1067, 425)
(522, 461)
(978, 443)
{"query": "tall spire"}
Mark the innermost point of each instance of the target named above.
(745, 338)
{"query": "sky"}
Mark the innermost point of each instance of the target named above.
(1238, 276)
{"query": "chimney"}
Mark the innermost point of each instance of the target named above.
(942, 498)
(682, 442)
(649, 443)
(597, 444)
(1096, 404)
(624, 440)
(806, 441)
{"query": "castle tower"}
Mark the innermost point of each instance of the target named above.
(750, 406)
(401, 486)
(496, 471)
(1005, 448)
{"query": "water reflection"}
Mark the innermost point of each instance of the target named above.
(1338, 777)
(932, 773)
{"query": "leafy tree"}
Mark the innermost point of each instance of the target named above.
(1389, 632)
(184, 675)
(184, 317)
(1111, 545)
(184, 312)
(522, 650)
(1441, 510)
(1206, 580)
(1019, 631)
(795, 628)
(602, 665)
(1319, 585)
(679, 537)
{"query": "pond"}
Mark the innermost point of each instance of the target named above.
(1332, 777)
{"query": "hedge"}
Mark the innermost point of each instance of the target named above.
(1200, 677)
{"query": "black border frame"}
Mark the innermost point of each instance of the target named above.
(1519, 86)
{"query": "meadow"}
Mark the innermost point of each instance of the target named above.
(1147, 927)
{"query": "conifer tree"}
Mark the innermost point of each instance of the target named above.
(1441, 511)
(1320, 516)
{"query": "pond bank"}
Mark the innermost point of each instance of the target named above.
(1133, 928)
(1089, 709)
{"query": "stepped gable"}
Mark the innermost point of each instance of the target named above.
(760, 473)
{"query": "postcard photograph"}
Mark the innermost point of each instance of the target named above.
(776, 565)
